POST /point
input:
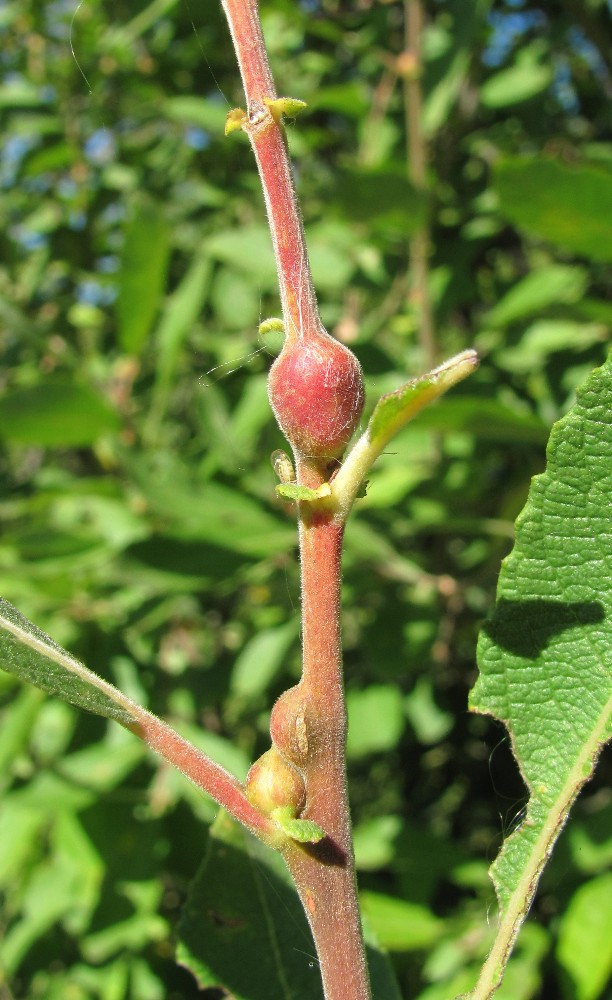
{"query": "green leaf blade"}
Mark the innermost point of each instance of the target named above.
(568, 205)
(241, 904)
(33, 656)
(145, 258)
(545, 655)
(56, 413)
(394, 410)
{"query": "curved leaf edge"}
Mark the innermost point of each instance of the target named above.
(521, 899)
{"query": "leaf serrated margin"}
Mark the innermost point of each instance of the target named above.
(570, 495)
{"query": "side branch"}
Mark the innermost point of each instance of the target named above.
(204, 772)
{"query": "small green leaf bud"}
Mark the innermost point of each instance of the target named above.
(305, 831)
(235, 119)
(271, 325)
(287, 106)
(291, 491)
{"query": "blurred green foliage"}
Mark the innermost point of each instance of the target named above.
(140, 526)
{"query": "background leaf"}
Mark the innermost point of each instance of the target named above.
(240, 904)
(143, 273)
(56, 413)
(242, 901)
(585, 950)
(565, 204)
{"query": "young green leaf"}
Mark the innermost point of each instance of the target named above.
(545, 655)
(236, 119)
(302, 830)
(392, 412)
(396, 409)
(288, 107)
(291, 491)
(271, 325)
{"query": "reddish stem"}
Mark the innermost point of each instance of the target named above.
(325, 873)
(267, 137)
(204, 772)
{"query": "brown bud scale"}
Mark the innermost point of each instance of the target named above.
(293, 730)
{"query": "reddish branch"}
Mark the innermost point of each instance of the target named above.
(270, 147)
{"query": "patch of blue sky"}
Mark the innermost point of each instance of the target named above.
(197, 138)
(113, 213)
(39, 184)
(29, 239)
(100, 147)
(12, 152)
(506, 28)
(59, 18)
(588, 52)
(94, 293)
(108, 264)
(67, 188)
(563, 88)
(76, 221)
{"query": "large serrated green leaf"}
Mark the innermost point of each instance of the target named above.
(545, 655)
